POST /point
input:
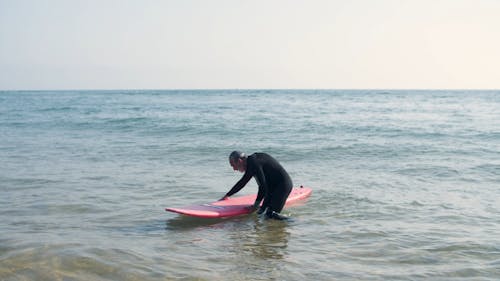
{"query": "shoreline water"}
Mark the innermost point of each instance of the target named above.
(404, 184)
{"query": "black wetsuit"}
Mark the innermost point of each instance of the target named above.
(274, 182)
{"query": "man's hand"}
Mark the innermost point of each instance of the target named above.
(254, 207)
(251, 208)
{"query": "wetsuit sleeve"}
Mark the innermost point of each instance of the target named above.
(240, 184)
(261, 179)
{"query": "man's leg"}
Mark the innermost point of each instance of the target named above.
(277, 202)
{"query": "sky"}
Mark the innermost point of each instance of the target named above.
(257, 44)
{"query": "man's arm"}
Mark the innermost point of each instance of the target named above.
(240, 184)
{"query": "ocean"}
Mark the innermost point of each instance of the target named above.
(406, 184)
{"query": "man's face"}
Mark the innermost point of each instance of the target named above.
(237, 165)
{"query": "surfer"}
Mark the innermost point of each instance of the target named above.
(274, 182)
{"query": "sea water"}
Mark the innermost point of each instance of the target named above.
(406, 184)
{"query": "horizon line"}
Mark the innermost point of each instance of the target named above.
(252, 89)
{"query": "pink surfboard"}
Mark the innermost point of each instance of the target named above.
(234, 206)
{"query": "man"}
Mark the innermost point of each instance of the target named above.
(274, 182)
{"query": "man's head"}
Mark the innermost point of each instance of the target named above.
(238, 160)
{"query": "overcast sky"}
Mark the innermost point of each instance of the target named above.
(215, 44)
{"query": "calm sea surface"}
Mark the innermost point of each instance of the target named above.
(406, 185)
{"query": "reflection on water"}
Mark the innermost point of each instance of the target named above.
(270, 239)
(253, 243)
(185, 223)
(259, 247)
(252, 246)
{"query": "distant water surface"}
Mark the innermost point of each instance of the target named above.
(406, 185)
